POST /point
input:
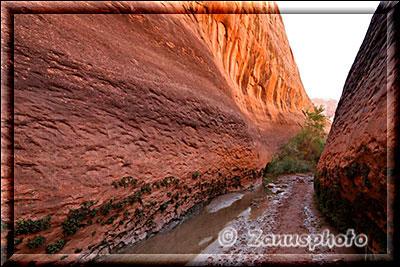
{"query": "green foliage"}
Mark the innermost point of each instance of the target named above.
(126, 215)
(105, 209)
(157, 184)
(135, 197)
(125, 182)
(119, 205)
(164, 206)
(111, 219)
(76, 216)
(36, 242)
(169, 181)
(139, 212)
(146, 188)
(195, 175)
(93, 212)
(54, 248)
(302, 152)
(29, 226)
(287, 165)
(236, 181)
(18, 241)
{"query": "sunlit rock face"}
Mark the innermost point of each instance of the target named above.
(356, 165)
(255, 55)
(133, 119)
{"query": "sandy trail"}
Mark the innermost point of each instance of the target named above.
(292, 210)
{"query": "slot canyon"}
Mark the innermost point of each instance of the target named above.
(119, 119)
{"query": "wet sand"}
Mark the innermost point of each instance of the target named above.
(286, 206)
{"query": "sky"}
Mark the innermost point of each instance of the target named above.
(324, 46)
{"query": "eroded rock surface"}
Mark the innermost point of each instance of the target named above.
(355, 169)
(255, 54)
(130, 120)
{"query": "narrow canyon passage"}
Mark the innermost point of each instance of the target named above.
(285, 206)
(141, 132)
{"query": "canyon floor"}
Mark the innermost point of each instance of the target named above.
(285, 206)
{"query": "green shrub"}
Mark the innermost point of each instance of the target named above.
(169, 181)
(157, 184)
(76, 216)
(125, 182)
(146, 188)
(29, 226)
(135, 197)
(236, 181)
(111, 219)
(54, 248)
(302, 152)
(36, 242)
(139, 212)
(105, 209)
(164, 206)
(195, 175)
(18, 241)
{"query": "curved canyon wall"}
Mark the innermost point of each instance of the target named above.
(355, 170)
(123, 122)
(257, 59)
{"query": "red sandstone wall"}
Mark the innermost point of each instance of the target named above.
(101, 97)
(356, 167)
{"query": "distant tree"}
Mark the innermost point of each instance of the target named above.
(302, 152)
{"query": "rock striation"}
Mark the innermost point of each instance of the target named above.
(123, 122)
(354, 186)
(257, 58)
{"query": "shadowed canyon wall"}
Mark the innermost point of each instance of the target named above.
(123, 122)
(355, 176)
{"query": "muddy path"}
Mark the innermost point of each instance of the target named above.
(285, 206)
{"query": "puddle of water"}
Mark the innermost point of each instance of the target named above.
(258, 207)
(195, 238)
(223, 202)
(192, 235)
(205, 241)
